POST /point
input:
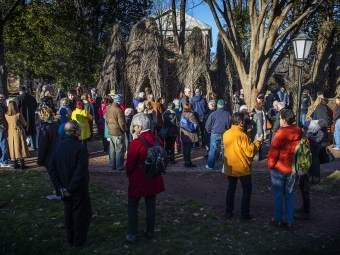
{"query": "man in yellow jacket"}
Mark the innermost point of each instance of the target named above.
(238, 154)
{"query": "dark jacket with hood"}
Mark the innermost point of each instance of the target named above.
(47, 101)
(171, 121)
(200, 106)
(27, 106)
(48, 137)
(3, 121)
(305, 103)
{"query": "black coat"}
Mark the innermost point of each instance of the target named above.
(69, 166)
(59, 96)
(171, 121)
(269, 99)
(305, 103)
(48, 137)
(321, 112)
(27, 106)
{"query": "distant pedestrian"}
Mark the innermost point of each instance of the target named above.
(4, 159)
(282, 96)
(217, 123)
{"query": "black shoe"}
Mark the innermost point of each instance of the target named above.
(276, 223)
(22, 164)
(148, 234)
(206, 156)
(15, 164)
(302, 216)
(85, 244)
(247, 217)
(131, 239)
(299, 209)
(229, 215)
(189, 165)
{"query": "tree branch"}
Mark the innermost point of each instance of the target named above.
(10, 12)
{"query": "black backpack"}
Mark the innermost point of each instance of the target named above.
(157, 159)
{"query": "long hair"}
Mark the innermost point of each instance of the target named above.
(12, 108)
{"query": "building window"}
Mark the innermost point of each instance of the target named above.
(170, 39)
(169, 71)
(170, 55)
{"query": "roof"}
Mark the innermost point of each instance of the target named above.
(164, 21)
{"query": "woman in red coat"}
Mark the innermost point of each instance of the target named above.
(139, 184)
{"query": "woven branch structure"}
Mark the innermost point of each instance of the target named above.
(113, 72)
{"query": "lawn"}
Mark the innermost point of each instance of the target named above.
(31, 224)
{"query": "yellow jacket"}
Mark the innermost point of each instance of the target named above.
(238, 152)
(83, 118)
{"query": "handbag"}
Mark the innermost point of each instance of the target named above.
(187, 125)
(163, 133)
(325, 155)
(269, 123)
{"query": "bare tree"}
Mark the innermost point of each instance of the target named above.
(271, 25)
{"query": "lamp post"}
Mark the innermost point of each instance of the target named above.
(302, 44)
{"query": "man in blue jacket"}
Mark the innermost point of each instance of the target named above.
(217, 123)
(200, 106)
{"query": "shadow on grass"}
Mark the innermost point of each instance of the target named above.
(31, 224)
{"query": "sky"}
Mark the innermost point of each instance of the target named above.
(202, 12)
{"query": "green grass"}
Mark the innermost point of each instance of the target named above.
(30, 224)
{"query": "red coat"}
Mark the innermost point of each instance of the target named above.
(280, 154)
(122, 106)
(139, 184)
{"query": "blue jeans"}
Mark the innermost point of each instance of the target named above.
(187, 152)
(117, 150)
(3, 146)
(337, 133)
(302, 119)
(282, 185)
(33, 141)
(247, 189)
(215, 141)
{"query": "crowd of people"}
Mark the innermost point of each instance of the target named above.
(65, 126)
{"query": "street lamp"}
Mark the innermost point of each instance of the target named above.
(302, 45)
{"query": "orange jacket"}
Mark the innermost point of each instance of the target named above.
(281, 152)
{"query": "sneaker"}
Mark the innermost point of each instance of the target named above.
(131, 239)
(5, 165)
(336, 148)
(53, 197)
(208, 168)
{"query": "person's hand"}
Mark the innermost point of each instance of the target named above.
(64, 193)
(259, 138)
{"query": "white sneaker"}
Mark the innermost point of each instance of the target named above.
(52, 197)
(208, 168)
(5, 165)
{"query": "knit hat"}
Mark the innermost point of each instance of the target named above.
(118, 98)
(243, 108)
(220, 102)
(315, 125)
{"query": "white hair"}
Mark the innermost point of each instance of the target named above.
(176, 102)
(140, 107)
(128, 112)
(141, 120)
(141, 95)
(187, 90)
(212, 103)
(281, 105)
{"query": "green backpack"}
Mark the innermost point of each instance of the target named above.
(302, 159)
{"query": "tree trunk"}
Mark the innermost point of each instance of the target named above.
(3, 71)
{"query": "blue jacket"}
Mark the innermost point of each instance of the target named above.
(134, 104)
(200, 105)
(218, 121)
(282, 97)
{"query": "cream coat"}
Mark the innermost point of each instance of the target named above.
(17, 144)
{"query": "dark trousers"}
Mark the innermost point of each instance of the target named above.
(304, 188)
(150, 204)
(170, 144)
(247, 189)
(91, 127)
(78, 215)
(106, 143)
(201, 132)
(187, 152)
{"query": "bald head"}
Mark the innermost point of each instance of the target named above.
(72, 128)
